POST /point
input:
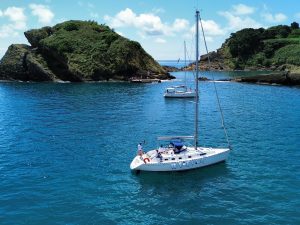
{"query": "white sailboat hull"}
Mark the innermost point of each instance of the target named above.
(186, 160)
(187, 94)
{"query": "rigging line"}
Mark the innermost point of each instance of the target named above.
(185, 64)
(190, 57)
(217, 95)
(190, 64)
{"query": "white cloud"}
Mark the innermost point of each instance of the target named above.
(239, 22)
(272, 18)
(160, 40)
(150, 23)
(242, 9)
(8, 31)
(147, 23)
(17, 16)
(211, 28)
(123, 18)
(44, 14)
(276, 18)
(180, 24)
(239, 17)
(18, 22)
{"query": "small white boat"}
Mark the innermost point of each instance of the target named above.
(179, 92)
(179, 154)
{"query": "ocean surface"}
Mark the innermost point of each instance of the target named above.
(65, 150)
(175, 63)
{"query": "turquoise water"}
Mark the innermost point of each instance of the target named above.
(65, 151)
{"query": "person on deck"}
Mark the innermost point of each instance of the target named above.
(140, 149)
(158, 155)
(161, 149)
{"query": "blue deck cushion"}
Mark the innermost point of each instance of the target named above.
(177, 143)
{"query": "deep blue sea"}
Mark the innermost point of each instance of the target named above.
(65, 150)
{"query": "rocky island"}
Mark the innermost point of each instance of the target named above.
(273, 49)
(78, 51)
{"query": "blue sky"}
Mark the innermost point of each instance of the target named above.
(160, 26)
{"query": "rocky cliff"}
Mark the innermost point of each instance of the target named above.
(78, 51)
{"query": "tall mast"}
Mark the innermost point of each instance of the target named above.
(184, 64)
(196, 77)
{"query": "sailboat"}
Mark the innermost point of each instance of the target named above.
(178, 154)
(181, 91)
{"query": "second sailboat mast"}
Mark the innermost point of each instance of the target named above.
(196, 79)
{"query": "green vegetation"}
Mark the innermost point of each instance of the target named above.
(294, 25)
(263, 48)
(289, 54)
(82, 51)
(95, 52)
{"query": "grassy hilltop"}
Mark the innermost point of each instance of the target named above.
(77, 51)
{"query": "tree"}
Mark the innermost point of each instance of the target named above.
(280, 31)
(245, 42)
(294, 25)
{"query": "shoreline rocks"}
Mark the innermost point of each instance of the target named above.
(289, 79)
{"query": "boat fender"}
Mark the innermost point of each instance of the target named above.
(146, 160)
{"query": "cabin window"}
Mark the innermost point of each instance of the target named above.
(166, 159)
(180, 158)
(173, 158)
(190, 156)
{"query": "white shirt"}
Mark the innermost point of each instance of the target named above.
(140, 147)
(161, 149)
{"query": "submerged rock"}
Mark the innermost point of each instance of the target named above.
(78, 51)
